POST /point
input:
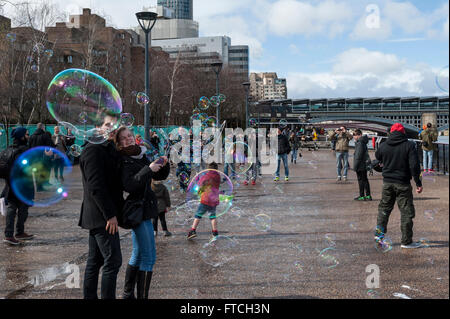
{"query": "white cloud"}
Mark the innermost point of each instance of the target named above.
(372, 73)
(291, 17)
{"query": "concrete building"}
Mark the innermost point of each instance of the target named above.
(267, 86)
(238, 60)
(167, 26)
(183, 9)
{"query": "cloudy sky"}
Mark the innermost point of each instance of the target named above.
(325, 48)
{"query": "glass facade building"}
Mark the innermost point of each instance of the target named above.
(183, 8)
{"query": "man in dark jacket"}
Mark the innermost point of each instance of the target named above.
(16, 206)
(102, 201)
(283, 150)
(360, 160)
(400, 164)
(41, 137)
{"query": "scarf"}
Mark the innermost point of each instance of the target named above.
(134, 151)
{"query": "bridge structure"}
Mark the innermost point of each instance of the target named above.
(375, 112)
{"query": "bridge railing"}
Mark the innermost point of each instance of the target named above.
(442, 157)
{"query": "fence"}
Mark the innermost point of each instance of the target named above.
(50, 128)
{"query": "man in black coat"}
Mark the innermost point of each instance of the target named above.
(15, 205)
(360, 160)
(102, 201)
(283, 150)
(41, 137)
(400, 164)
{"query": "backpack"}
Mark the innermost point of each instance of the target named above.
(6, 157)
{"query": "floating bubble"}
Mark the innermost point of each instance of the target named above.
(215, 101)
(331, 239)
(75, 150)
(212, 188)
(430, 214)
(283, 123)
(327, 258)
(184, 177)
(299, 266)
(239, 155)
(34, 68)
(352, 226)
(218, 251)
(142, 98)
(127, 119)
(222, 98)
(204, 103)
(134, 93)
(442, 79)
(83, 97)
(30, 177)
(48, 53)
(196, 111)
(372, 294)
(38, 48)
(30, 59)
(261, 222)
(253, 122)
(11, 37)
(383, 244)
(184, 215)
(211, 121)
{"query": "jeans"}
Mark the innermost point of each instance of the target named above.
(363, 182)
(22, 213)
(104, 251)
(294, 155)
(227, 166)
(58, 167)
(427, 159)
(342, 157)
(203, 209)
(253, 171)
(144, 248)
(283, 157)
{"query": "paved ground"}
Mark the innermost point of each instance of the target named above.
(308, 214)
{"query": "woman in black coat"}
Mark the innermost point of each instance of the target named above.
(137, 175)
(360, 162)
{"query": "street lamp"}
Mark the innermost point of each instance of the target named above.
(147, 21)
(217, 67)
(246, 87)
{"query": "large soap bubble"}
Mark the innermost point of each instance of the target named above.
(31, 178)
(212, 188)
(239, 155)
(82, 97)
(218, 251)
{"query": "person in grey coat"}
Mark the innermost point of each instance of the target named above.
(163, 197)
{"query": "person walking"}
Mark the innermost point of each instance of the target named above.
(41, 137)
(16, 206)
(137, 173)
(283, 150)
(58, 162)
(102, 202)
(70, 141)
(342, 140)
(163, 197)
(360, 160)
(295, 145)
(428, 137)
(400, 164)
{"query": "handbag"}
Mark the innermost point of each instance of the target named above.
(133, 211)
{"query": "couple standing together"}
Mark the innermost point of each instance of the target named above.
(108, 170)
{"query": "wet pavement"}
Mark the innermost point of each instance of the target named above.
(315, 242)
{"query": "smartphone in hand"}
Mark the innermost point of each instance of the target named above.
(160, 161)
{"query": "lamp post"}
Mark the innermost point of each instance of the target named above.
(246, 87)
(147, 21)
(217, 67)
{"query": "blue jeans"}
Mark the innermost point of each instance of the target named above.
(342, 157)
(283, 157)
(427, 159)
(228, 165)
(294, 155)
(203, 209)
(144, 248)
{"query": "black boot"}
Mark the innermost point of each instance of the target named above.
(143, 284)
(130, 281)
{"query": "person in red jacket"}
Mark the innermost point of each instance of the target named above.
(209, 199)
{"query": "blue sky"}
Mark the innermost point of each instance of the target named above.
(325, 48)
